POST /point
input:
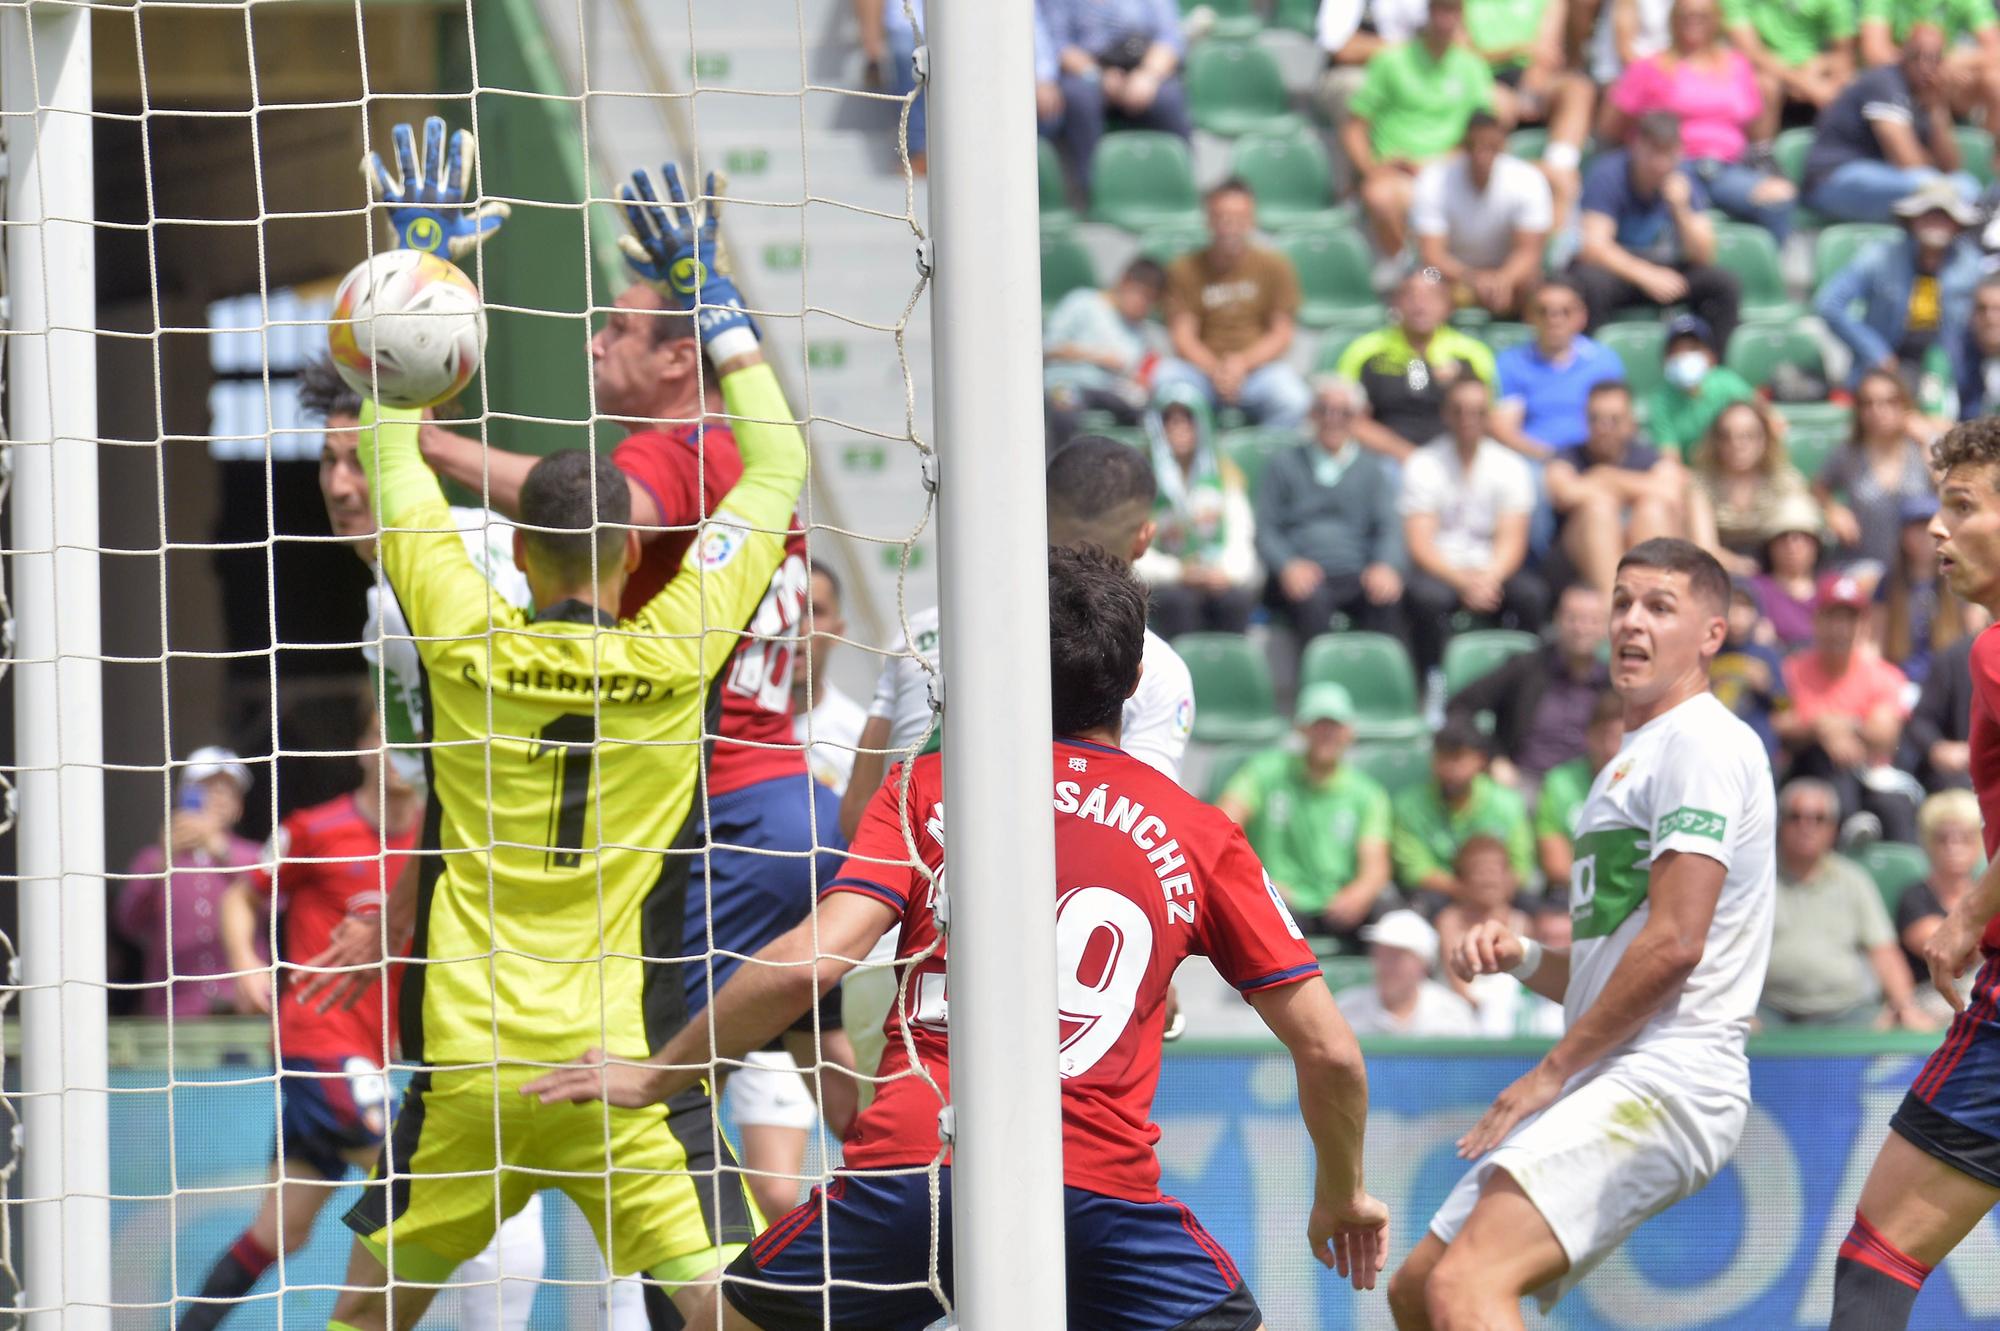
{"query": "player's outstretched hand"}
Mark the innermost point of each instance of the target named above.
(348, 967)
(427, 199)
(626, 1085)
(1351, 1237)
(1535, 1091)
(1487, 948)
(1949, 952)
(673, 246)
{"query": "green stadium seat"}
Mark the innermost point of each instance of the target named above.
(1757, 349)
(1223, 761)
(1642, 349)
(1066, 266)
(1050, 186)
(1234, 702)
(1501, 334)
(1344, 970)
(1894, 865)
(1975, 153)
(1252, 446)
(1528, 144)
(1396, 765)
(1809, 446)
(1164, 244)
(1290, 175)
(1142, 179)
(1336, 338)
(1477, 653)
(1333, 274)
(1751, 253)
(1236, 88)
(1789, 151)
(1296, 16)
(1235, 20)
(1836, 417)
(1835, 247)
(1375, 670)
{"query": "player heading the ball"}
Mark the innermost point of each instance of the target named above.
(1672, 895)
(1139, 862)
(565, 747)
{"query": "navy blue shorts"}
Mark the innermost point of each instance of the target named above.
(756, 897)
(331, 1109)
(1132, 1266)
(1953, 1109)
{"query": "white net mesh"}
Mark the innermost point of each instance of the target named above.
(227, 207)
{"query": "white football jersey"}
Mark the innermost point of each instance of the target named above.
(833, 729)
(1159, 716)
(1696, 780)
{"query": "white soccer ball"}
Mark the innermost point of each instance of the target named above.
(408, 329)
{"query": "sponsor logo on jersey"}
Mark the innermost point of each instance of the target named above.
(1184, 716)
(1079, 764)
(1693, 821)
(720, 543)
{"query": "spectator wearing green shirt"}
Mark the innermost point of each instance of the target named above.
(1434, 820)
(1694, 388)
(1803, 51)
(1567, 786)
(1320, 825)
(1971, 31)
(1415, 99)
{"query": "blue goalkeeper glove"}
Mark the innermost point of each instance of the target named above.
(680, 259)
(426, 202)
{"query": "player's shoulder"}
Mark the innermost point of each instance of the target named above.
(1164, 663)
(1130, 777)
(1707, 737)
(1986, 655)
(322, 820)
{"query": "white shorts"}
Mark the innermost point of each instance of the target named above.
(770, 1092)
(1605, 1157)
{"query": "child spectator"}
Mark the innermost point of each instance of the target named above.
(1099, 347)
(1202, 564)
(1435, 818)
(1788, 588)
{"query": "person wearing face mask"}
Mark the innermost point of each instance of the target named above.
(1695, 387)
(1979, 354)
(1901, 298)
(1201, 567)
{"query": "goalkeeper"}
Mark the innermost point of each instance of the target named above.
(565, 745)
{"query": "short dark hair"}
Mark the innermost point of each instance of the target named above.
(1481, 119)
(323, 394)
(1481, 843)
(1097, 636)
(1660, 129)
(820, 568)
(1100, 492)
(1147, 273)
(1231, 185)
(1557, 282)
(1973, 443)
(1459, 734)
(576, 505)
(1606, 388)
(1670, 554)
(668, 325)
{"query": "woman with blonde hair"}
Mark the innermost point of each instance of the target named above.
(1739, 484)
(1948, 826)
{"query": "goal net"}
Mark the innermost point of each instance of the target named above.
(205, 157)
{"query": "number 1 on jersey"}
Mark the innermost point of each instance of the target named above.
(570, 740)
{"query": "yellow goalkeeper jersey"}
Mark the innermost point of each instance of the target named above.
(564, 749)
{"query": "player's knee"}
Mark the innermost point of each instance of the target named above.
(1454, 1293)
(1407, 1293)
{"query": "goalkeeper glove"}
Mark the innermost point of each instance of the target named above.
(426, 200)
(681, 260)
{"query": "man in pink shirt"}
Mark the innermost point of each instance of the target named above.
(1847, 711)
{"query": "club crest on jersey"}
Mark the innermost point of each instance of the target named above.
(720, 544)
(1079, 764)
(1619, 773)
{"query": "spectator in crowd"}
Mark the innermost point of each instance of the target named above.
(1970, 72)
(1788, 588)
(1406, 368)
(1414, 102)
(1349, 33)
(1201, 567)
(1919, 615)
(1435, 818)
(1487, 891)
(1888, 134)
(1541, 701)
(1949, 827)
(1326, 526)
(1748, 676)
(1712, 89)
(1936, 746)
(1695, 386)
(1466, 503)
(1099, 348)
(1914, 292)
(1567, 786)
(1611, 490)
(1482, 219)
(1834, 959)
(1231, 312)
(1117, 63)
(1803, 53)
(1320, 825)
(1739, 481)
(1645, 238)
(1847, 711)
(889, 45)
(1404, 999)
(1545, 381)
(823, 714)
(1978, 359)
(1523, 43)
(170, 906)
(1635, 29)
(1865, 483)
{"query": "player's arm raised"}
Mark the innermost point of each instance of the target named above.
(443, 594)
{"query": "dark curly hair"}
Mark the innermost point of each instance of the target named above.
(1097, 635)
(323, 393)
(1973, 443)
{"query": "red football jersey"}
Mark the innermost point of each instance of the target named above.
(331, 861)
(687, 470)
(1146, 875)
(1984, 742)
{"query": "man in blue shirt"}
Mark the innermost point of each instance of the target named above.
(1545, 382)
(1645, 240)
(1114, 58)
